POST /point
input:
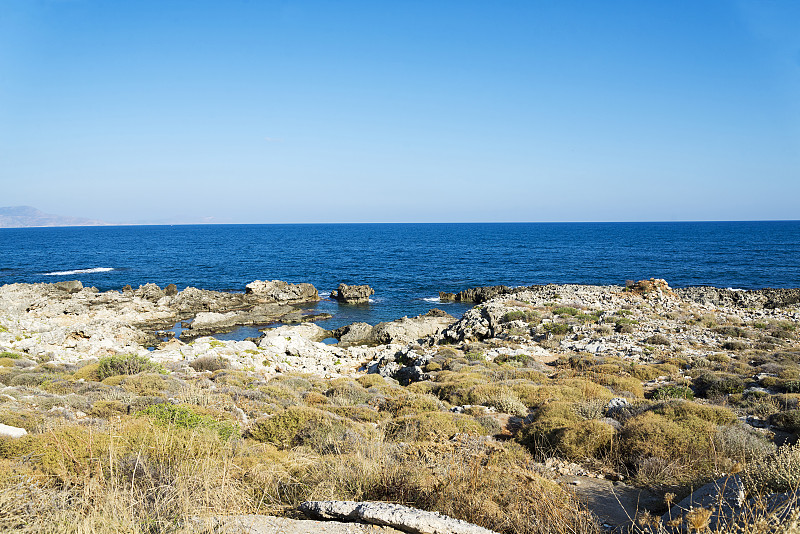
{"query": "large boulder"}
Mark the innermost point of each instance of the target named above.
(409, 330)
(352, 294)
(354, 334)
(278, 291)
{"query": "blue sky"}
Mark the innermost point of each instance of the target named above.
(444, 110)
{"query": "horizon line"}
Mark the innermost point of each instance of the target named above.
(399, 223)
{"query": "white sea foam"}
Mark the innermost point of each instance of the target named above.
(80, 271)
(431, 299)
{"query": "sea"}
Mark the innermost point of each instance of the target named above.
(406, 264)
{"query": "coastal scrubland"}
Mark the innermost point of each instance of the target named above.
(488, 419)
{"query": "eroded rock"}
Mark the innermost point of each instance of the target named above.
(397, 516)
(352, 294)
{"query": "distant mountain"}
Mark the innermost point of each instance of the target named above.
(24, 216)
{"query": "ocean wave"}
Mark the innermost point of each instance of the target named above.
(431, 299)
(80, 271)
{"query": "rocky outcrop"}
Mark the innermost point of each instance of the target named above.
(352, 294)
(400, 331)
(70, 286)
(74, 321)
(308, 331)
(482, 294)
(407, 330)
(278, 291)
(756, 298)
(353, 334)
(397, 516)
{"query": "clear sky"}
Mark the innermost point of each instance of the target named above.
(376, 111)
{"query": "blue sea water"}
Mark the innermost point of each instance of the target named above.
(407, 264)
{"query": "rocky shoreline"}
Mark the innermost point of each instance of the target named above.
(625, 349)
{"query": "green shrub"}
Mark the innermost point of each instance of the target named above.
(557, 329)
(126, 364)
(679, 410)
(520, 315)
(10, 355)
(188, 418)
(714, 385)
(565, 310)
(87, 372)
(584, 439)
(673, 392)
(370, 380)
(284, 428)
(347, 392)
(107, 408)
(687, 442)
(410, 404)
(788, 420)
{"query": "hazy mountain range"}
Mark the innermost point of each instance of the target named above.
(25, 216)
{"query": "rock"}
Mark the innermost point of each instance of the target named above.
(308, 331)
(171, 290)
(481, 294)
(11, 431)
(352, 294)
(409, 374)
(724, 497)
(397, 516)
(70, 286)
(615, 405)
(756, 298)
(150, 292)
(278, 291)
(353, 334)
(264, 524)
(407, 330)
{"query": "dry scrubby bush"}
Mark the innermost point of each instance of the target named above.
(125, 364)
(210, 363)
(140, 476)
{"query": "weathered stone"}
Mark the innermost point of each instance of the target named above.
(724, 497)
(352, 294)
(278, 291)
(397, 516)
(11, 431)
(354, 334)
(407, 330)
(70, 286)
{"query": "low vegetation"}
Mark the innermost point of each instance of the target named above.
(124, 445)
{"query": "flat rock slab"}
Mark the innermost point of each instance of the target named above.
(264, 524)
(396, 516)
(614, 504)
